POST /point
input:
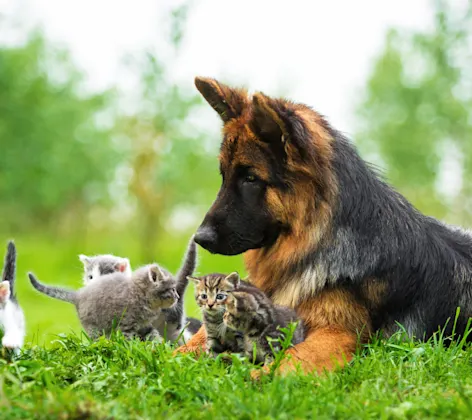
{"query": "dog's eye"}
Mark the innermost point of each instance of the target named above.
(250, 178)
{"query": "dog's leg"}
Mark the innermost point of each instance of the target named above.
(323, 350)
(196, 344)
(335, 322)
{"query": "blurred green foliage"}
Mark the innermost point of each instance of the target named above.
(80, 175)
(416, 113)
(55, 160)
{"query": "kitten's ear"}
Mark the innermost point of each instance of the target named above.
(85, 260)
(123, 265)
(156, 274)
(233, 280)
(193, 279)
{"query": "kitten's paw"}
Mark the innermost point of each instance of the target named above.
(12, 341)
(154, 336)
(225, 358)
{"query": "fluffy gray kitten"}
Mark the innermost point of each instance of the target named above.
(172, 323)
(118, 301)
(99, 265)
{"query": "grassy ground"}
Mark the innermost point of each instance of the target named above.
(76, 379)
(73, 378)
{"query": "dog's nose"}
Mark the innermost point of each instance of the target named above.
(206, 237)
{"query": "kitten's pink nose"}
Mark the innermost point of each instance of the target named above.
(210, 305)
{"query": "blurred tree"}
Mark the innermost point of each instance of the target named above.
(55, 158)
(170, 167)
(416, 114)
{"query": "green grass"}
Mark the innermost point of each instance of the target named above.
(77, 379)
(72, 378)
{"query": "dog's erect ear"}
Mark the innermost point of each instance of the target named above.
(228, 102)
(275, 121)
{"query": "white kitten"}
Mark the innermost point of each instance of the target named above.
(100, 265)
(12, 319)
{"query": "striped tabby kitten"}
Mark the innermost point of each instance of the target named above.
(254, 314)
(211, 292)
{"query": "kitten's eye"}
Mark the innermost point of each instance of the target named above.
(220, 296)
(90, 277)
(203, 296)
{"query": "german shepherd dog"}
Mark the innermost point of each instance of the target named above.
(322, 233)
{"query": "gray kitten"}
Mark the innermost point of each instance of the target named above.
(171, 323)
(253, 313)
(99, 265)
(115, 300)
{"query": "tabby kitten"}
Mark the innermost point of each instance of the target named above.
(130, 304)
(254, 314)
(211, 292)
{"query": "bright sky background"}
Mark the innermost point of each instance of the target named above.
(317, 52)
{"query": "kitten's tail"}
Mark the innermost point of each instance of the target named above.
(55, 292)
(188, 267)
(9, 269)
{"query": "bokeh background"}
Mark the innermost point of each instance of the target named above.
(105, 146)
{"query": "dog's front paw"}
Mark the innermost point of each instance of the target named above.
(257, 374)
(197, 350)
